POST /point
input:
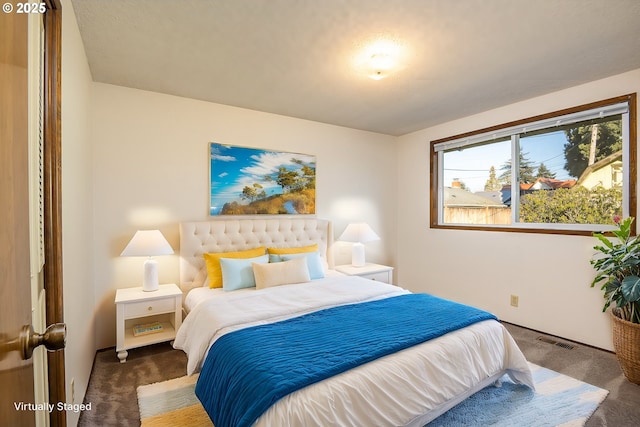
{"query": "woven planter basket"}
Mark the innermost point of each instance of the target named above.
(626, 342)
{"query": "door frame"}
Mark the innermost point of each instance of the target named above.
(52, 169)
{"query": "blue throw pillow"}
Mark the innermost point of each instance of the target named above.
(237, 273)
(313, 262)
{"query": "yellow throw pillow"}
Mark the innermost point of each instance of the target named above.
(300, 250)
(214, 270)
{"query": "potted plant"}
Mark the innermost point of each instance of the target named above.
(618, 267)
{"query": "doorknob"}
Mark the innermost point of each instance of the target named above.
(53, 338)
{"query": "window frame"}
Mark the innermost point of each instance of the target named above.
(629, 159)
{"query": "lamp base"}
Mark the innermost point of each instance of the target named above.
(357, 255)
(150, 279)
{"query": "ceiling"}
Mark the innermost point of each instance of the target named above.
(300, 58)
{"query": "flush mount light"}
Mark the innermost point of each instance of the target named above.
(381, 64)
(378, 57)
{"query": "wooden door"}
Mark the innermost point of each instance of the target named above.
(16, 375)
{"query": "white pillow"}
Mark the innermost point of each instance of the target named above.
(237, 273)
(281, 273)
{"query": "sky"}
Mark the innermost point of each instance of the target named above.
(232, 168)
(471, 166)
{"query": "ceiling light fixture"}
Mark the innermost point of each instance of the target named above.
(381, 64)
(379, 57)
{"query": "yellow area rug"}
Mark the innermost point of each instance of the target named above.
(172, 403)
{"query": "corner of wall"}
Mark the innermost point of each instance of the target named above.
(77, 213)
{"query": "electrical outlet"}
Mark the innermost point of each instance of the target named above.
(514, 300)
(73, 390)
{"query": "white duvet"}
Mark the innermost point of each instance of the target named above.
(410, 387)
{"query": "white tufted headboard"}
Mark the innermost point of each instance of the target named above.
(197, 238)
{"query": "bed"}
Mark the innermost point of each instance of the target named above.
(388, 357)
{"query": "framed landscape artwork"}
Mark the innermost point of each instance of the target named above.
(252, 181)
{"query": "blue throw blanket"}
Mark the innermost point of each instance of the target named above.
(247, 371)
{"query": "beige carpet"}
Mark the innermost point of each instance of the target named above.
(171, 403)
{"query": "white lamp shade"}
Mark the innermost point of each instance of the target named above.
(148, 243)
(358, 233)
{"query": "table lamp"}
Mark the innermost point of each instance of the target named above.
(358, 233)
(148, 243)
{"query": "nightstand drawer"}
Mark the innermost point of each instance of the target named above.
(380, 277)
(149, 308)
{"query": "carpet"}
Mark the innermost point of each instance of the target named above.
(559, 400)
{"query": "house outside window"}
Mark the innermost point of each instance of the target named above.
(566, 172)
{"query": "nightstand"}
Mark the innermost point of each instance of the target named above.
(135, 307)
(379, 272)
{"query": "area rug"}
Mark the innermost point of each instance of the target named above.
(559, 400)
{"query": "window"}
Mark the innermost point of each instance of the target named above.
(566, 172)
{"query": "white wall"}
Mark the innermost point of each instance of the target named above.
(550, 273)
(77, 221)
(151, 168)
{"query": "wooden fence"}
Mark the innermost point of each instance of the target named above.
(479, 215)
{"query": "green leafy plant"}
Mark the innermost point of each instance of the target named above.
(618, 267)
(576, 205)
